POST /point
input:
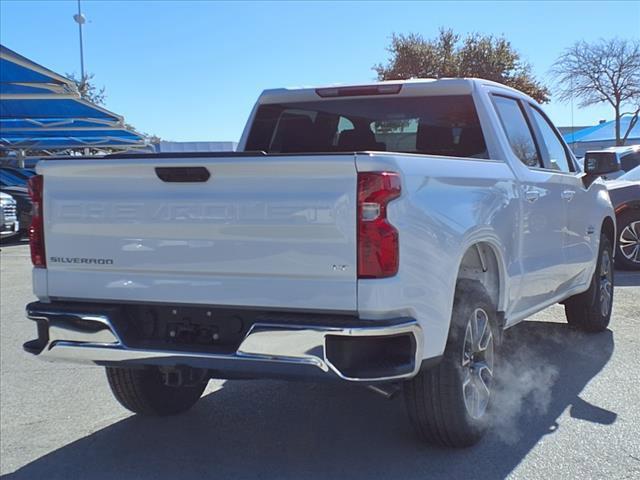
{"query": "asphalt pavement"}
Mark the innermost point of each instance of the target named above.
(569, 408)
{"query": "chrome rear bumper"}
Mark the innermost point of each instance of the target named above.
(267, 350)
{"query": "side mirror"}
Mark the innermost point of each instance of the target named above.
(600, 163)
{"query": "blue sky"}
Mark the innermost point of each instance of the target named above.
(192, 70)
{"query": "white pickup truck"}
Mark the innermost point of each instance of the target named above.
(384, 234)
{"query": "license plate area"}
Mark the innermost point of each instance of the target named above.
(183, 327)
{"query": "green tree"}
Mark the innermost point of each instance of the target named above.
(88, 90)
(449, 55)
(606, 71)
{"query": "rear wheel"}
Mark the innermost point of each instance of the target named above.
(591, 311)
(628, 246)
(450, 404)
(144, 391)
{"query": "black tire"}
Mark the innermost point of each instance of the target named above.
(628, 238)
(142, 391)
(591, 311)
(435, 398)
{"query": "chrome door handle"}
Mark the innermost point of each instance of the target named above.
(568, 195)
(531, 195)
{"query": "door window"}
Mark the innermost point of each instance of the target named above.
(554, 151)
(517, 129)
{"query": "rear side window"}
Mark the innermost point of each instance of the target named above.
(556, 155)
(439, 125)
(517, 129)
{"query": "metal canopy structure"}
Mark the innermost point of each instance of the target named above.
(9, 124)
(68, 138)
(53, 106)
(42, 110)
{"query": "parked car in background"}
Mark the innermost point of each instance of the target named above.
(9, 225)
(629, 158)
(632, 175)
(625, 197)
(16, 186)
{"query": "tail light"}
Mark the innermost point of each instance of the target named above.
(378, 248)
(36, 230)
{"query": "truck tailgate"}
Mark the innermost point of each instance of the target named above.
(276, 231)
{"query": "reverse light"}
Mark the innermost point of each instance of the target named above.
(36, 230)
(378, 247)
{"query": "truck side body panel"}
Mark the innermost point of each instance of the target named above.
(448, 204)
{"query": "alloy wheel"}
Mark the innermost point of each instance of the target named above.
(629, 241)
(606, 283)
(477, 364)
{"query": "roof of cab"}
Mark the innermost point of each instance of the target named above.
(410, 88)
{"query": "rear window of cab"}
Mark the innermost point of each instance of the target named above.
(435, 125)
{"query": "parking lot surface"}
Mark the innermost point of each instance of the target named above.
(569, 407)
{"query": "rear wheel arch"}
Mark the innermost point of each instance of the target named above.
(482, 262)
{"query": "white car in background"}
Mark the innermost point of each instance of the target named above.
(9, 225)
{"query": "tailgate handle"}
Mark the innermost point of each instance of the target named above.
(183, 174)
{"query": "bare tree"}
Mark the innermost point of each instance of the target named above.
(604, 71)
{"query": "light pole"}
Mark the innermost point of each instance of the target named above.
(80, 19)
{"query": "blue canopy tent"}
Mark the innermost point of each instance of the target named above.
(52, 106)
(12, 124)
(604, 132)
(65, 139)
(15, 68)
(42, 110)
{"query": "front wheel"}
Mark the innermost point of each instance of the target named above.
(591, 311)
(450, 404)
